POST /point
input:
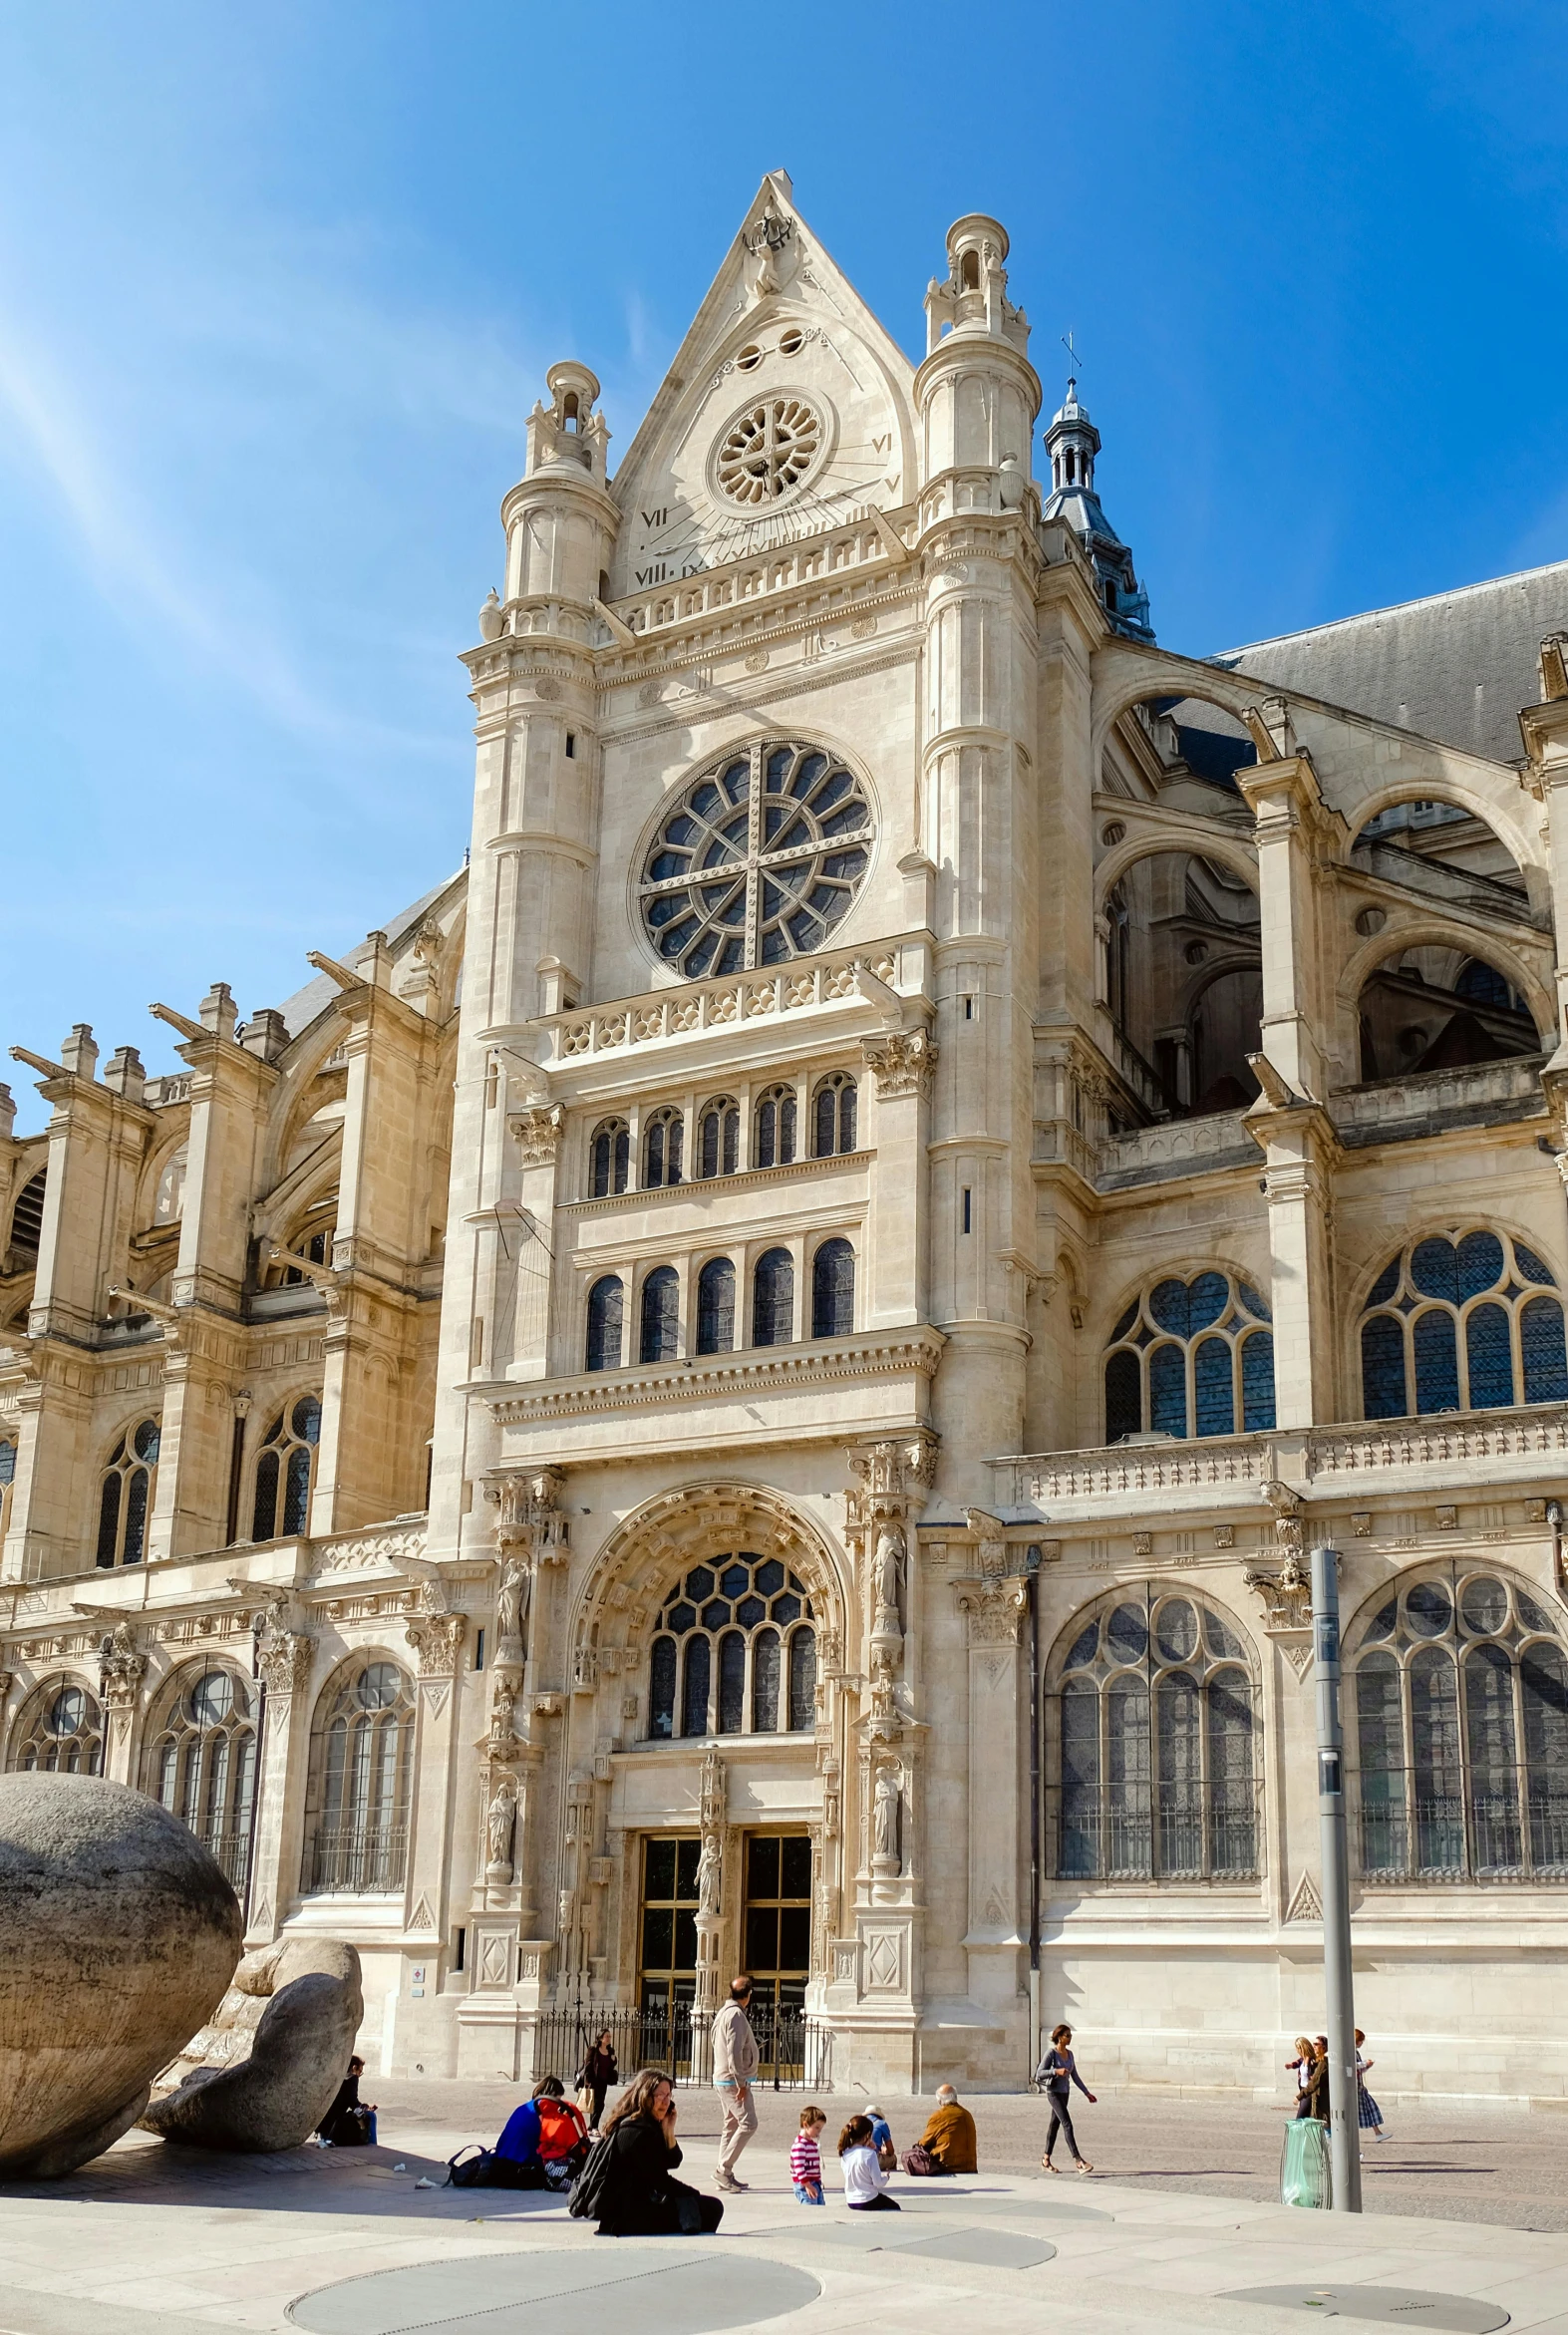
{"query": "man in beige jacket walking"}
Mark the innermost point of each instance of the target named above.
(734, 2061)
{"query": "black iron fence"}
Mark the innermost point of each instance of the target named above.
(1140, 1830)
(795, 2050)
(1515, 1826)
(359, 1858)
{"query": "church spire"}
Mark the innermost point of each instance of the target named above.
(1072, 442)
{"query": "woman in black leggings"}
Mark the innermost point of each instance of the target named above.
(1057, 2071)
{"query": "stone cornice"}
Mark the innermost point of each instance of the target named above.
(874, 1354)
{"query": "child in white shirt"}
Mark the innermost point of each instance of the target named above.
(865, 2184)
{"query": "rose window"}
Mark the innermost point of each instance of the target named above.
(767, 449)
(759, 862)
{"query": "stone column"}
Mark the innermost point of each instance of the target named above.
(435, 1636)
(1302, 1150)
(713, 1819)
(284, 1661)
(121, 1666)
(994, 1605)
(901, 1064)
(523, 1346)
(1290, 825)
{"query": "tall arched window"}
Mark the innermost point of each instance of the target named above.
(362, 1755)
(1191, 1358)
(60, 1732)
(833, 1115)
(1461, 1732)
(283, 1472)
(735, 1652)
(606, 1306)
(202, 1762)
(774, 1145)
(125, 1499)
(7, 1479)
(772, 1299)
(1158, 1768)
(661, 1315)
(718, 1137)
(609, 1158)
(663, 1146)
(715, 1306)
(833, 1290)
(1462, 1325)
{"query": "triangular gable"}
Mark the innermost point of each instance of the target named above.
(787, 411)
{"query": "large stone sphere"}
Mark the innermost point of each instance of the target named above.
(117, 1936)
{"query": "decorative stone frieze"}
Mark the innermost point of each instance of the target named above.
(901, 1063)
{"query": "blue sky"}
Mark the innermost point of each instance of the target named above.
(277, 288)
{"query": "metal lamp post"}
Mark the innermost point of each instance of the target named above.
(1338, 1971)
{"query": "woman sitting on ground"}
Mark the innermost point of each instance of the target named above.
(641, 2197)
(865, 2184)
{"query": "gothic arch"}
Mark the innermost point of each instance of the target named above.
(1493, 809)
(1124, 675)
(1419, 931)
(1156, 838)
(1155, 1587)
(645, 1553)
(1177, 1266)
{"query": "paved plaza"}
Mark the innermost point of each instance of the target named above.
(1464, 2204)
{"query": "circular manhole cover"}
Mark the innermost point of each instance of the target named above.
(595, 2289)
(1390, 2306)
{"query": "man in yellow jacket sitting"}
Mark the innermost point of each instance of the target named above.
(948, 2143)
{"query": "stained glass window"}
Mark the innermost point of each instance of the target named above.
(1186, 1359)
(1462, 1323)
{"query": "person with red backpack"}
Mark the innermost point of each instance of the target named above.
(563, 2134)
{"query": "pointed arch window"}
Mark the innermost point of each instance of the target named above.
(833, 1290)
(1155, 1742)
(661, 1315)
(202, 1762)
(834, 1114)
(775, 1115)
(284, 1470)
(358, 1805)
(772, 1299)
(125, 1498)
(663, 1146)
(715, 1306)
(718, 1137)
(60, 1732)
(607, 1309)
(609, 1158)
(1191, 1358)
(734, 1652)
(1466, 1324)
(1461, 1731)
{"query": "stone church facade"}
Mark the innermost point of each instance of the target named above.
(749, 1381)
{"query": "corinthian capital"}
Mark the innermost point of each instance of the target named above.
(537, 1129)
(901, 1062)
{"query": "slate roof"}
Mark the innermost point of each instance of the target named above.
(300, 1010)
(1456, 667)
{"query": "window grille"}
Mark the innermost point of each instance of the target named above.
(60, 1732)
(1156, 1758)
(1464, 1325)
(125, 1500)
(283, 1472)
(202, 1763)
(1461, 1733)
(735, 1652)
(362, 1755)
(1191, 1358)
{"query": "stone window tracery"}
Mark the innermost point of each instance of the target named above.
(833, 1115)
(735, 1652)
(663, 1144)
(772, 1299)
(361, 1758)
(760, 860)
(1155, 1742)
(1467, 1324)
(719, 1137)
(661, 1315)
(776, 1127)
(715, 1306)
(609, 1158)
(284, 1469)
(202, 1762)
(125, 1499)
(767, 449)
(607, 1311)
(1191, 1358)
(60, 1732)
(833, 1290)
(1461, 1732)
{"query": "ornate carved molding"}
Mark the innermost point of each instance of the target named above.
(437, 1639)
(994, 1610)
(901, 1062)
(530, 1517)
(537, 1129)
(1287, 1506)
(285, 1659)
(1286, 1595)
(121, 1667)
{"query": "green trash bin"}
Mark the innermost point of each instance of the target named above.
(1305, 2176)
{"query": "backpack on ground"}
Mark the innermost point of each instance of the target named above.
(481, 2169)
(588, 2189)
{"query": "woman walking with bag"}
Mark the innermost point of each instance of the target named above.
(1057, 2071)
(594, 2077)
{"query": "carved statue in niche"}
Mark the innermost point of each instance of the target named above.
(512, 1602)
(710, 1876)
(498, 1821)
(887, 1575)
(884, 1816)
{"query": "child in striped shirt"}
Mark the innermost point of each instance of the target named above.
(806, 2159)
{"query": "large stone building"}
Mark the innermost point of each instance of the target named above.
(748, 1383)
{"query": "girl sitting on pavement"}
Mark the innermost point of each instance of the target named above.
(865, 2184)
(806, 2159)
